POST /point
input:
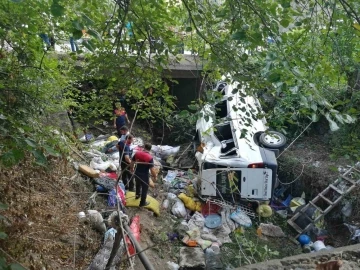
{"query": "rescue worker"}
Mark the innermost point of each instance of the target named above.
(144, 162)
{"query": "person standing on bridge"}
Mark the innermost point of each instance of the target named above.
(144, 162)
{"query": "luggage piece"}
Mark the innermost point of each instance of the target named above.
(88, 171)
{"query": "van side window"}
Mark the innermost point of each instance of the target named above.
(221, 88)
(224, 134)
(221, 110)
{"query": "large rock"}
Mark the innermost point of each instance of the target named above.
(59, 120)
(192, 258)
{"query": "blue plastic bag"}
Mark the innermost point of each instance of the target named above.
(112, 198)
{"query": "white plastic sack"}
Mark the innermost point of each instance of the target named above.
(90, 153)
(96, 220)
(208, 236)
(100, 166)
(98, 144)
(113, 166)
(179, 209)
(170, 176)
(172, 266)
(165, 204)
(196, 221)
(114, 156)
(172, 196)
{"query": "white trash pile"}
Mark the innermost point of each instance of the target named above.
(104, 154)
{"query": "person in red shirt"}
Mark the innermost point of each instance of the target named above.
(144, 162)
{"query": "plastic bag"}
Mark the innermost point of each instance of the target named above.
(171, 196)
(178, 209)
(98, 164)
(241, 218)
(264, 210)
(210, 237)
(172, 266)
(196, 221)
(111, 201)
(110, 233)
(165, 204)
(213, 261)
(194, 233)
(171, 175)
(98, 144)
(190, 203)
(204, 244)
(163, 151)
(96, 220)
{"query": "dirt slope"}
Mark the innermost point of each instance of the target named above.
(41, 222)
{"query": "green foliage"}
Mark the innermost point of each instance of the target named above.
(304, 69)
(13, 266)
(182, 125)
(346, 143)
(247, 250)
(307, 68)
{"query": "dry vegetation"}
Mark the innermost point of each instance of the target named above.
(41, 222)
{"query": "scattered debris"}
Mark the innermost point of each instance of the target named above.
(355, 232)
(96, 220)
(172, 266)
(325, 201)
(131, 201)
(192, 258)
(241, 218)
(264, 210)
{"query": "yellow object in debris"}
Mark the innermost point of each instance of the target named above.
(132, 202)
(264, 210)
(112, 138)
(190, 203)
(240, 230)
(88, 171)
(296, 202)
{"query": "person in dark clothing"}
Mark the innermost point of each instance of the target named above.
(144, 162)
(125, 161)
(124, 130)
(120, 119)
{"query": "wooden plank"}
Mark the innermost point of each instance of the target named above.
(317, 208)
(321, 195)
(295, 226)
(336, 189)
(330, 203)
(348, 179)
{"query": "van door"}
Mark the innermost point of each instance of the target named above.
(256, 183)
(208, 182)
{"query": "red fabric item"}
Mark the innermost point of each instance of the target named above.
(112, 175)
(121, 195)
(135, 229)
